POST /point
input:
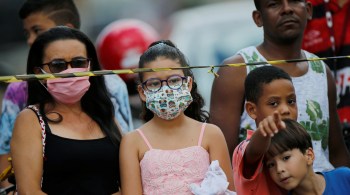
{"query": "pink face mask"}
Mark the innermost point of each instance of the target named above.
(68, 90)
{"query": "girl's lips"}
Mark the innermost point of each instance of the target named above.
(284, 180)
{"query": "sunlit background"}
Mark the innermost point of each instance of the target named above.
(207, 31)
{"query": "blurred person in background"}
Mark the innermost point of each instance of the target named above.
(39, 16)
(119, 46)
(328, 34)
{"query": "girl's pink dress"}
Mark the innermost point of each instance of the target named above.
(172, 171)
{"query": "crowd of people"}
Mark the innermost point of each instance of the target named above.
(271, 129)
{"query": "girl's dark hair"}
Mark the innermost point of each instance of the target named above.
(293, 137)
(167, 49)
(96, 102)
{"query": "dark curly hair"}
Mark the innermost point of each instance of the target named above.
(167, 49)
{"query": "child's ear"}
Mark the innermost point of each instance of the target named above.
(250, 107)
(141, 93)
(310, 156)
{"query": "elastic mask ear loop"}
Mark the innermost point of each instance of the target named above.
(88, 68)
(44, 72)
(43, 85)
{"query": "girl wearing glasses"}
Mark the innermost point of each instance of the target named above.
(66, 141)
(172, 151)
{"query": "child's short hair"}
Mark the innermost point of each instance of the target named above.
(293, 137)
(258, 77)
(59, 11)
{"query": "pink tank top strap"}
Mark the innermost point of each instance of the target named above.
(144, 138)
(201, 134)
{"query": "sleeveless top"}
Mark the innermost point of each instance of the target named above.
(172, 171)
(312, 99)
(78, 166)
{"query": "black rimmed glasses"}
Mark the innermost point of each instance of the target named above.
(59, 65)
(154, 84)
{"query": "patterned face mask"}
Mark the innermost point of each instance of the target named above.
(168, 103)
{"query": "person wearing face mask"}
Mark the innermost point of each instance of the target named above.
(37, 17)
(67, 140)
(172, 152)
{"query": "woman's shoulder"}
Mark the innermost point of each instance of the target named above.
(27, 121)
(27, 113)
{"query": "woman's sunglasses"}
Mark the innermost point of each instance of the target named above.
(59, 65)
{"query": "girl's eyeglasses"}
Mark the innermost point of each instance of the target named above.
(59, 65)
(155, 84)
